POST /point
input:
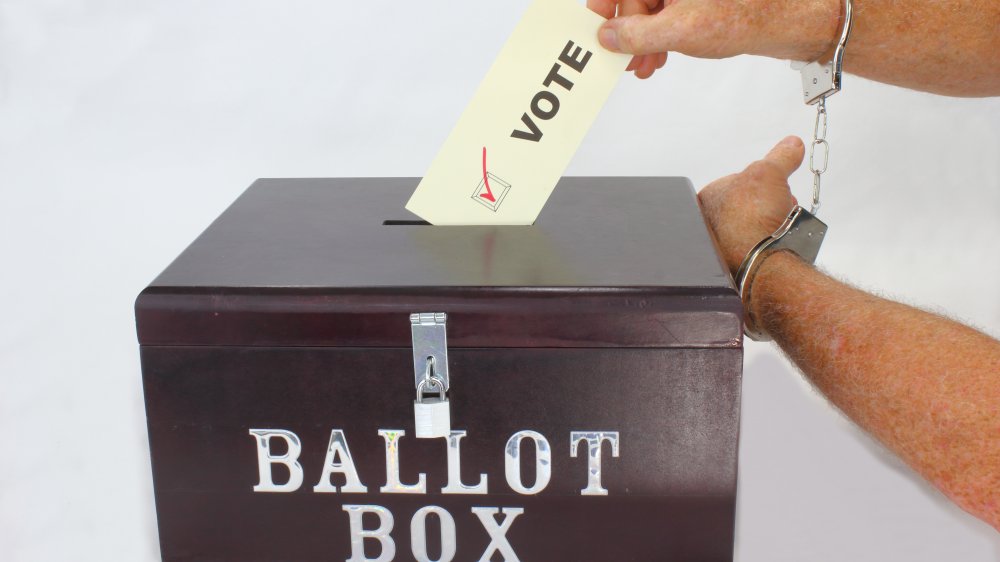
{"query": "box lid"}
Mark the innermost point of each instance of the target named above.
(611, 262)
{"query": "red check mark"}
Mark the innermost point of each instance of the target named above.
(489, 192)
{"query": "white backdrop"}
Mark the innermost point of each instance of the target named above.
(126, 126)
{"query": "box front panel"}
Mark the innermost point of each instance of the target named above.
(242, 437)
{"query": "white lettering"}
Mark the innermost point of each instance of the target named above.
(543, 462)
(392, 483)
(498, 532)
(594, 440)
(338, 449)
(381, 534)
(455, 485)
(265, 459)
(418, 534)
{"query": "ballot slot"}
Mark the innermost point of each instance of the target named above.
(398, 222)
(404, 223)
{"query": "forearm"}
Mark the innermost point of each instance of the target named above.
(926, 387)
(950, 48)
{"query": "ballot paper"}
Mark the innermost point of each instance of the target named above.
(513, 142)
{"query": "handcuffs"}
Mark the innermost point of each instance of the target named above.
(801, 233)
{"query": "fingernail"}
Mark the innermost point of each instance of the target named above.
(609, 38)
(789, 141)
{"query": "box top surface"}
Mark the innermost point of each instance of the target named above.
(296, 243)
(329, 233)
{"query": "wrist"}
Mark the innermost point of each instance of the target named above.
(763, 304)
(801, 233)
(811, 34)
(736, 244)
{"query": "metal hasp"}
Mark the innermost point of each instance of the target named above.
(430, 342)
(821, 80)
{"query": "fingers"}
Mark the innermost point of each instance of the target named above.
(744, 208)
(633, 7)
(607, 8)
(604, 8)
(786, 156)
(708, 198)
(639, 34)
(694, 27)
(644, 65)
(652, 64)
(647, 66)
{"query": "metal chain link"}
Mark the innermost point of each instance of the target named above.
(819, 139)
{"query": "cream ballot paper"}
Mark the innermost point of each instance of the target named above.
(525, 122)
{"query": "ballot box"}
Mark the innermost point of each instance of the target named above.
(579, 380)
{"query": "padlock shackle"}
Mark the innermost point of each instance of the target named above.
(432, 381)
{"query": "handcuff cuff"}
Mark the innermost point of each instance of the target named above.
(801, 233)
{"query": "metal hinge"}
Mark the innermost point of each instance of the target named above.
(430, 346)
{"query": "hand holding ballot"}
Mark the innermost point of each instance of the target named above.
(890, 41)
(784, 29)
(887, 366)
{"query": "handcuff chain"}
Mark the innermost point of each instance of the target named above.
(819, 139)
(802, 233)
(820, 81)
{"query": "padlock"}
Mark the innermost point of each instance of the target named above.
(431, 416)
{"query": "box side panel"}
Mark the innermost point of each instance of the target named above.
(477, 317)
(671, 489)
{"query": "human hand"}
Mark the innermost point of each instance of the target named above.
(744, 208)
(784, 29)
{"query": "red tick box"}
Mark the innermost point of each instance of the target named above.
(491, 196)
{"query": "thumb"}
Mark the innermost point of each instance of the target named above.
(787, 155)
(638, 34)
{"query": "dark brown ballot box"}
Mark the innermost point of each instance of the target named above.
(579, 380)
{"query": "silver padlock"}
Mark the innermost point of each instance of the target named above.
(431, 416)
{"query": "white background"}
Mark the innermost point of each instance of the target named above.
(126, 126)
